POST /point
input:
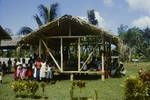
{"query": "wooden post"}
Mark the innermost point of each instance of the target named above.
(103, 62)
(61, 51)
(79, 54)
(39, 48)
(71, 77)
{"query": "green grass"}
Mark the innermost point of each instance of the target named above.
(110, 89)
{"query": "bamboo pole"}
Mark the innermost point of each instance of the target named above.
(39, 48)
(103, 62)
(79, 54)
(51, 55)
(103, 72)
(61, 51)
(88, 58)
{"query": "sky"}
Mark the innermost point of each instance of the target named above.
(15, 14)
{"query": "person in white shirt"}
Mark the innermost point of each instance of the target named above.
(43, 71)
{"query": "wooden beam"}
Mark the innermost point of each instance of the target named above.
(51, 55)
(73, 36)
(61, 53)
(79, 54)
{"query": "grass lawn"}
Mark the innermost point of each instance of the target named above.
(110, 89)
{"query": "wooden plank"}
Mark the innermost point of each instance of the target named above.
(51, 56)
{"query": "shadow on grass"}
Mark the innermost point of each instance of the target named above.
(77, 77)
(32, 97)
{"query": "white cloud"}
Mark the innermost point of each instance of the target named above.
(108, 2)
(142, 5)
(100, 19)
(142, 22)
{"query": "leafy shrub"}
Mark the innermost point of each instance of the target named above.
(137, 89)
(25, 88)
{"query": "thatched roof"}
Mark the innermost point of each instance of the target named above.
(10, 43)
(4, 34)
(68, 26)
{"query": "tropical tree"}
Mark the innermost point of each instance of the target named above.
(146, 35)
(24, 30)
(136, 39)
(45, 15)
(91, 17)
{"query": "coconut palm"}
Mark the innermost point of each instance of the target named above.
(24, 30)
(91, 17)
(45, 15)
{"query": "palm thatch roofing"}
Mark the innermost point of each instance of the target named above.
(4, 34)
(68, 26)
(10, 44)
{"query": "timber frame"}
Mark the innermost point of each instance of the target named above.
(73, 30)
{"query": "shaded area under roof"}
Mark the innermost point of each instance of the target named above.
(68, 26)
(3, 34)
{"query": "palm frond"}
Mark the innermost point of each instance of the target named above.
(24, 30)
(43, 11)
(38, 20)
(53, 13)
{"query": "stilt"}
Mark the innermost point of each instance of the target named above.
(71, 77)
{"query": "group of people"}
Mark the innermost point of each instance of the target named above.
(6, 67)
(39, 70)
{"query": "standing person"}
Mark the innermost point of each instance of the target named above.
(38, 67)
(4, 68)
(30, 70)
(24, 69)
(15, 69)
(1, 73)
(49, 74)
(9, 65)
(43, 71)
(19, 69)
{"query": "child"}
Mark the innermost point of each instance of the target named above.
(49, 75)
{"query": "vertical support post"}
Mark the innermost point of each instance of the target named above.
(103, 72)
(61, 51)
(39, 48)
(103, 62)
(110, 60)
(79, 54)
(71, 77)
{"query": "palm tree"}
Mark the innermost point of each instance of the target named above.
(45, 15)
(91, 17)
(24, 30)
